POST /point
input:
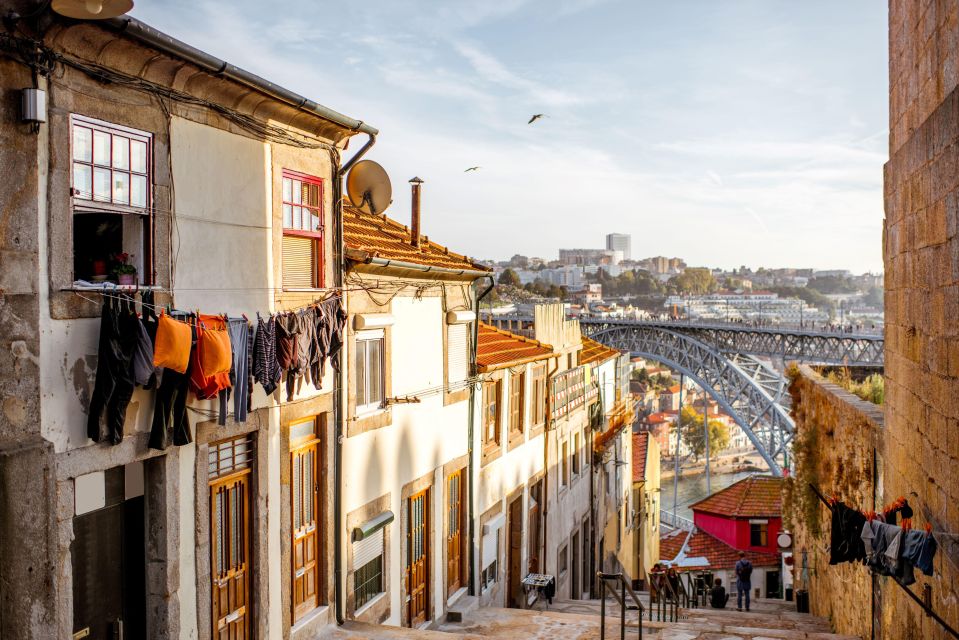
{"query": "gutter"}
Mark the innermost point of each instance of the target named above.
(469, 436)
(170, 45)
(339, 383)
(400, 264)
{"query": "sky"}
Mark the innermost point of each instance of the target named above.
(725, 132)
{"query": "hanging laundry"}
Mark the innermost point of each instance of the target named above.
(171, 425)
(141, 365)
(266, 367)
(330, 338)
(287, 329)
(173, 345)
(846, 543)
(918, 551)
(239, 332)
(211, 359)
(113, 386)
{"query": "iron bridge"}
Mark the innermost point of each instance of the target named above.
(727, 362)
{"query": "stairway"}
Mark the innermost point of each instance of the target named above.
(579, 620)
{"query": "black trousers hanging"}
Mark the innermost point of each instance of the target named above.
(171, 425)
(113, 387)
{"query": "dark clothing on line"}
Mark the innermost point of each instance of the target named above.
(845, 542)
(114, 382)
(266, 368)
(718, 597)
(144, 373)
(918, 551)
(239, 330)
(170, 421)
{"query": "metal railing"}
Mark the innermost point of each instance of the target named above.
(676, 521)
(610, 582)
(663, 600)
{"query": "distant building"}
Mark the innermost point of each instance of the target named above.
(619, 242)
(590, 256)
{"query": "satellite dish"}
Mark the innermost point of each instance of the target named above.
(92, 9)
(368, 187)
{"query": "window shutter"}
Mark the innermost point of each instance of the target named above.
(367, 549)
(298, 262)
(489, 548)
(456, 352)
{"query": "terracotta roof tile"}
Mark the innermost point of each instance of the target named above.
(385, 238)
(595, 352)
(497, 348)
(756, 496)
(670, 543)
(719, 554)
(640, 444)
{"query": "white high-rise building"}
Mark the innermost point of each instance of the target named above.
(619, 242)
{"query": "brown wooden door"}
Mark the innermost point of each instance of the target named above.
(305, 530)
(230, 536)
(418, 570)
(514, 554)
(454, 535)
(575, 590)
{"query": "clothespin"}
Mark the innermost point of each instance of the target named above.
(245, 318)
(870, 515)
(907, 524)
(928, 528)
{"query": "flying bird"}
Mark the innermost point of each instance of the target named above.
(472, 169)
(536, 116)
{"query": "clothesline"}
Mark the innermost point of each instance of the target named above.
(936, 532)
(164, 308)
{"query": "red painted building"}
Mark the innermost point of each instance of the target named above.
(746, 515)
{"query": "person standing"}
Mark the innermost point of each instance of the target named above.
(744, 572)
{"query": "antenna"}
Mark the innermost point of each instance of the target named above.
(368, 187)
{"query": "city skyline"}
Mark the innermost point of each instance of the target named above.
(728, 133)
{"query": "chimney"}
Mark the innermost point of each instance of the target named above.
(415, 221)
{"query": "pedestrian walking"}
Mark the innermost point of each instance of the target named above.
(744, 572)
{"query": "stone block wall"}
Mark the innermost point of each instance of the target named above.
(838, 437)
(921, 255)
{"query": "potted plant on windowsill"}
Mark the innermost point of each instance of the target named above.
(125, 272)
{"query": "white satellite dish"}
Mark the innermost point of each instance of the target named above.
(368, 187)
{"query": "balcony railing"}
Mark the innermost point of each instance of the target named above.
(568, 392)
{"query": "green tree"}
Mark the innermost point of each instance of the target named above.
(874, 297)
(691, 428)
(509, 277)
(696, 281)
(831, 284)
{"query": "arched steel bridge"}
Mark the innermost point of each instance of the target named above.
(725, 361)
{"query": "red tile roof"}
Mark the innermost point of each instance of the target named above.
(753, 497)
(382, 237)
(640, 444)
(595, 352)
(497, 348)
(720, 555)
(670, 543)
(661, 417)
(672, 389)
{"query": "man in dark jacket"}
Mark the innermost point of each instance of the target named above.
(718, 596)
(744, 572)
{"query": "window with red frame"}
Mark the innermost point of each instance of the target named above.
(302, 231)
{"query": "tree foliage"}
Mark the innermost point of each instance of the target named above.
(509, 277)
(691, 428)
(874, 297)
(637, 282)
(695, 281)
(831, 284)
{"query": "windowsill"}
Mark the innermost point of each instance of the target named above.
(114, 287)
(369, 605)
(369, 411)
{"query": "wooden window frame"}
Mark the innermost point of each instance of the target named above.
(491, 414)
(85, 203)
(538, 405)
(762, 531)
(564, 464)
(517, 409)
(574, 454)
(317, 235)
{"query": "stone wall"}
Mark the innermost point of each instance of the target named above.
(838, 438)
(921, 255)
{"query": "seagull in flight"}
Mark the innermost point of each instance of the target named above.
(536, 116)
(472, 169)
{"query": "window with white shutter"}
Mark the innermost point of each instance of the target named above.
(302, 199)
(457, 352)
(368, 560)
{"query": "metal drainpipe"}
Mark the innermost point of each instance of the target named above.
(469, 435)
(339, 578)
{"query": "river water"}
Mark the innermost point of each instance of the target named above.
(693, 489)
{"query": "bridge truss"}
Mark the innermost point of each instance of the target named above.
(753, 394)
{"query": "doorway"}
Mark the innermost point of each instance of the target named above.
(772, 584)
(230, 470)
(514, 564)
(575, 589)
(418, 550)
(109, 564)
(455, 516)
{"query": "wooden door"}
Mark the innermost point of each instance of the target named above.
(230, 537)
(305, 530)
(454, 536)
(514, 596)
(418, 553)
(575, 589)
